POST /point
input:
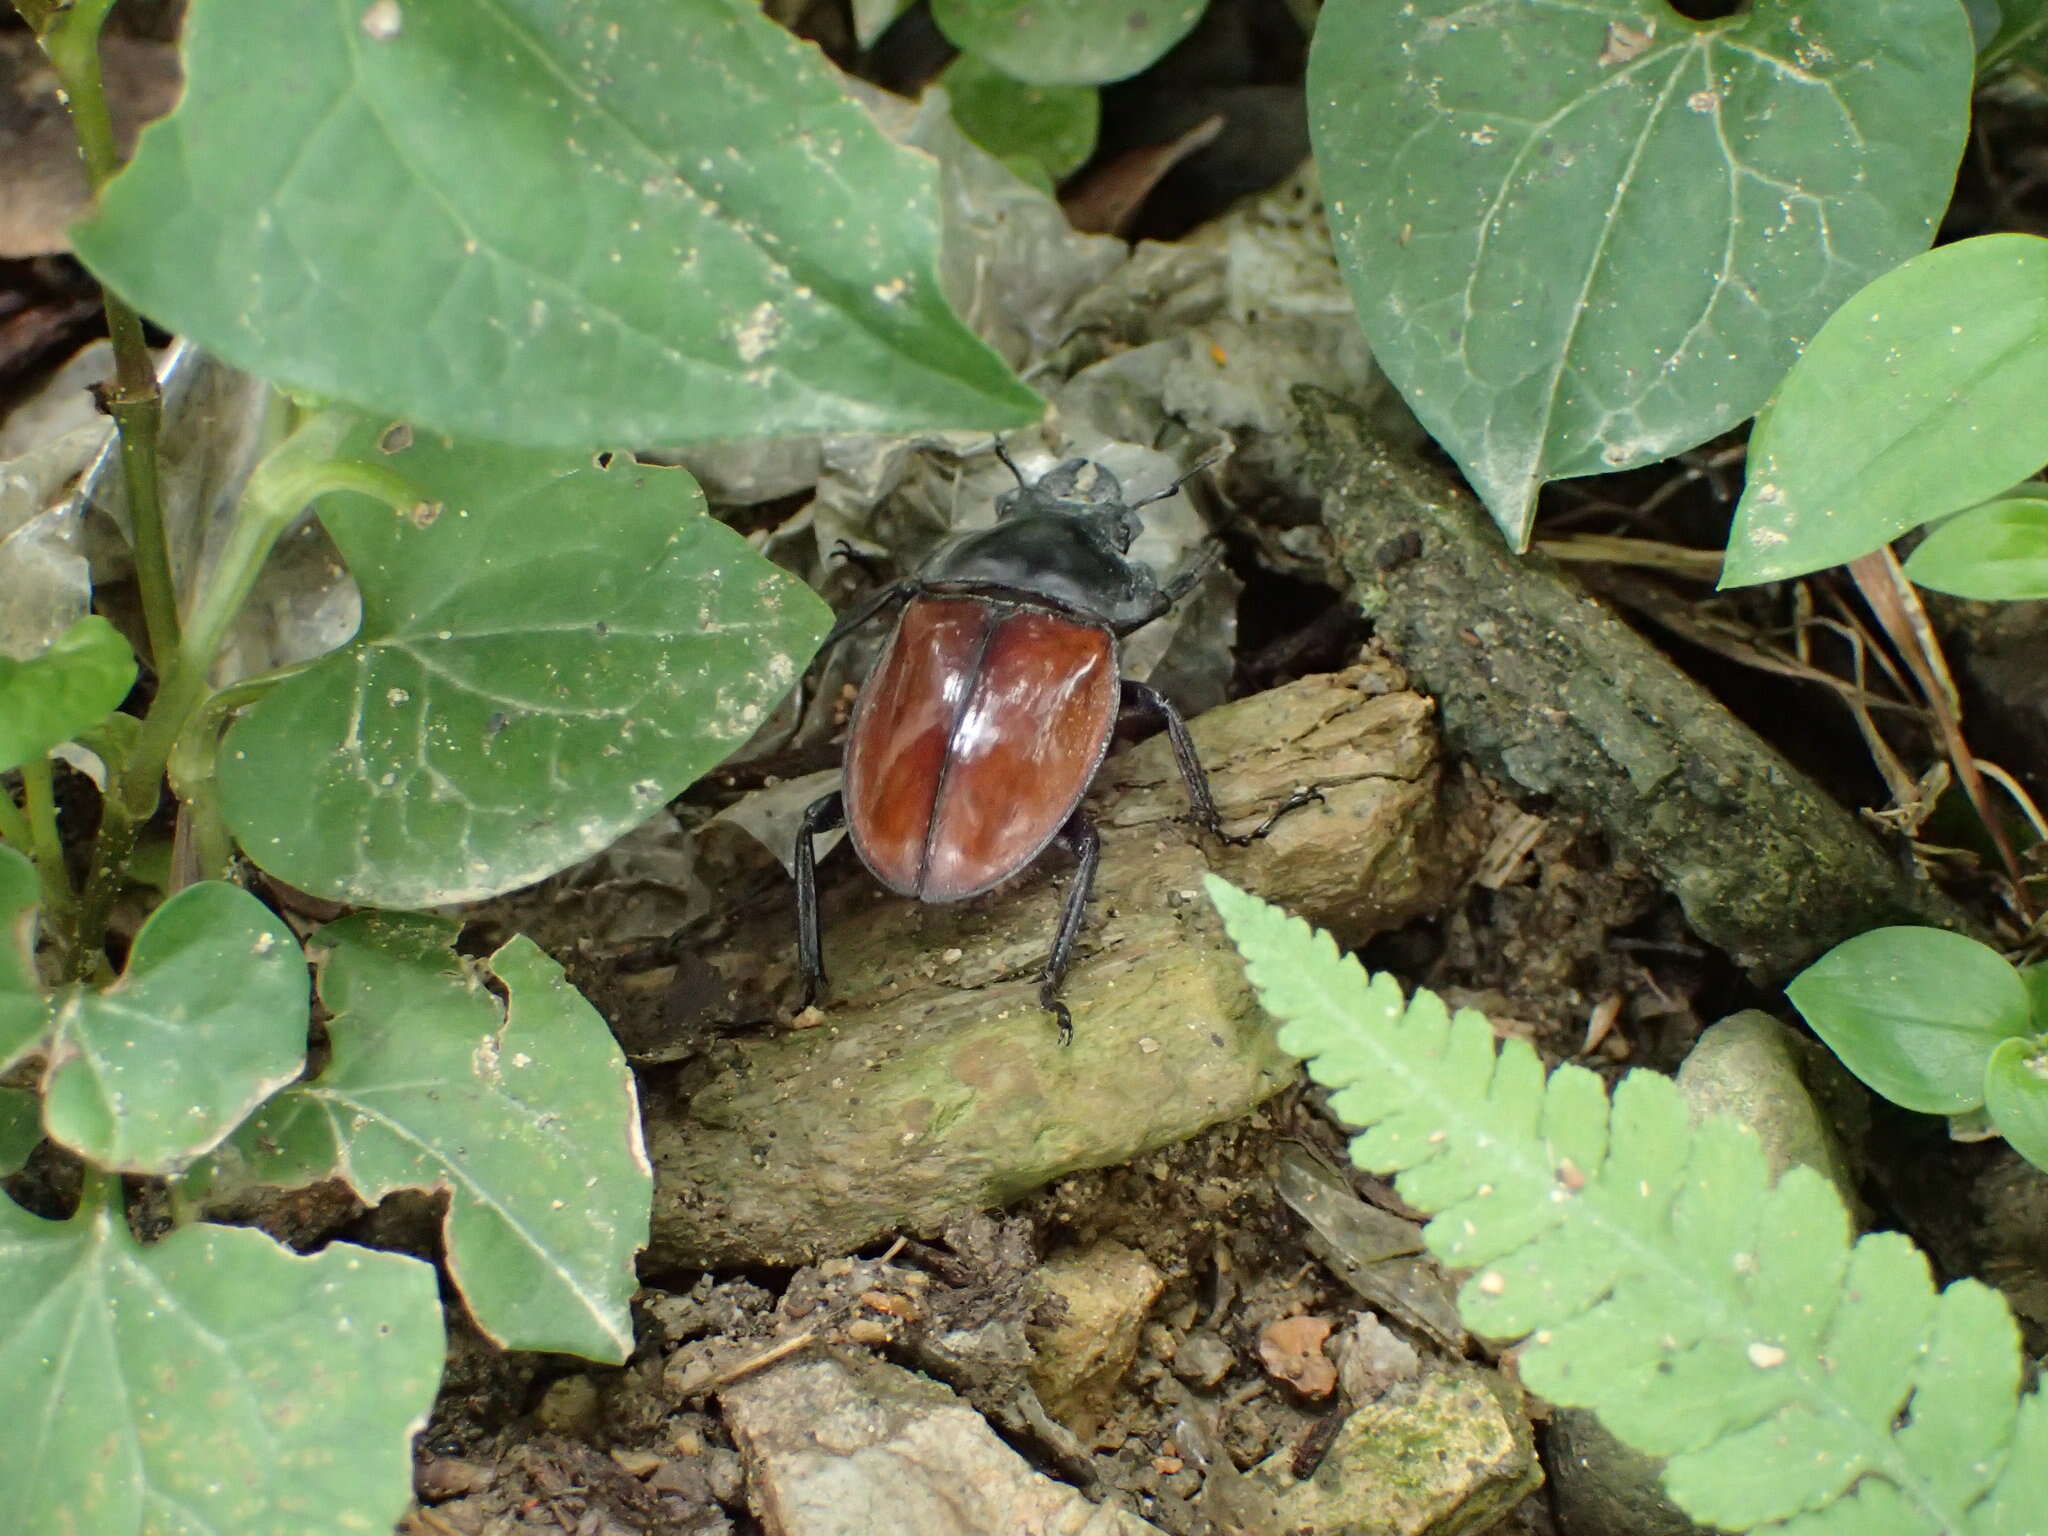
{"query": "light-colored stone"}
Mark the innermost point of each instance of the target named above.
(1105, 1290)
(1748, 1066)
(1443, 1455)
(850, 1446)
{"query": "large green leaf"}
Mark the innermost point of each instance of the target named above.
(207, 1022)
(615, 223)
(209, 1383)
(543, 661)
(1067, 42)
(24, 1014)
(62, 692)
(1914, 1012)
(524, 1112)
(1920, 397)
(1582, 237)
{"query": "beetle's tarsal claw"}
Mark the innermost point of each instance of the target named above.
(1058, 1010)
(1293, 802)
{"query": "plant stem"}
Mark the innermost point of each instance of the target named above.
(70, 36)
(47, 844)
(97, 1188)
(291, 476)
(14, 828)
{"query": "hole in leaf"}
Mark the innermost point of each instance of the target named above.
(1708, 10)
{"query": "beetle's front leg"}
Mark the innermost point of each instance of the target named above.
(1191, 574)
(862, 611)
(1079, 838)
(822, 815)
(1145, 696)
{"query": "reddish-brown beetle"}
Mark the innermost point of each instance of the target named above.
(981, 726)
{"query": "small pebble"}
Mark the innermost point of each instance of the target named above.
(1203, 1359)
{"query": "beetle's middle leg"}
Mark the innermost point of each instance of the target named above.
(821, 815)
(1079, 838)
(1206, 816)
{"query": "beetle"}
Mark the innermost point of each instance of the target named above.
(992, 705)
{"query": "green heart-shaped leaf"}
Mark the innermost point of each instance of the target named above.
(1914, 1012)
(618, 222)
(210, 1382)
(64, 691)
(209, 1020)
(524, 1112)
(1583, 237)
(546, 657)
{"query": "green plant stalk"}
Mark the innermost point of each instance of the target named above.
(14, 829)
(46, 846)
(192, 761)
(70, 36)
(96, 1188)
(294, 474)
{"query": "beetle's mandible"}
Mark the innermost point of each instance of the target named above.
(981, 726)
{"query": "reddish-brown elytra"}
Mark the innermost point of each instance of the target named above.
(976, 735)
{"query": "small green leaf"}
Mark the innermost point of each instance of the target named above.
(615, 223)
(1067, 42)
(2017, 32)
(525, 1113)
(1920, 397)
(1997, 552)
(210, 1382)
(24, 1012)
(21, 1127)
(1583, 237)
(207, 1022)
(1914, 1012)
(62, 692)
(1052, 126)
(543, 662)
(2016, 1093)
(2035, 979)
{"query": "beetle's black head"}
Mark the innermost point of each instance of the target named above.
(1080, 489)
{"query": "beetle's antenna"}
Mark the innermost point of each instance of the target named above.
(1010, 465)
(1146, 501)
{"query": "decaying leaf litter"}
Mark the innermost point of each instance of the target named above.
(1254, 1311)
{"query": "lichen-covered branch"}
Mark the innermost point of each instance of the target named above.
(1547, 689)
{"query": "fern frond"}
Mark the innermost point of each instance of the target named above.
(1793, 1381)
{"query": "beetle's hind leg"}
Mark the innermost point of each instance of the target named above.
(1079, 838)
(1145, 696)
(821, 815)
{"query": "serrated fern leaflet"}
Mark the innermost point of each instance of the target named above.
(1794, 1381)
